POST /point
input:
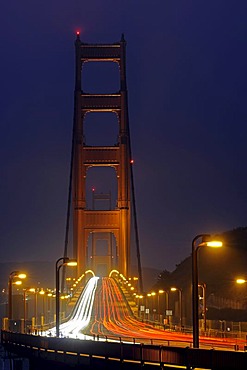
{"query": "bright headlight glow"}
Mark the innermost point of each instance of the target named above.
(81, 313)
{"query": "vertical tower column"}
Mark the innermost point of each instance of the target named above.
(115, 221)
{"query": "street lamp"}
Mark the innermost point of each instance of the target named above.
(24, 309)
(161, 291)
(207, 241)
(204, 310)
(25, 291)
(173, 289)
(241, 281)
(34, 319)
(13, 275)
(42, 311)
(153, 294)
(140, 306)
(63, 261)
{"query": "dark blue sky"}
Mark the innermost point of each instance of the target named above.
(186, 75)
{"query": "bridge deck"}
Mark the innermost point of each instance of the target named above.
(93, 354)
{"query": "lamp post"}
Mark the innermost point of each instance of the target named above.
(207, 241)
(204, 309)
(42, 313)
(174, 289)
(63, 261)
(153, 294)
(148, 304)
(140, 305)
(49, 305)
(24, 309)
(25, 313)
(12, 276)
(34, 320)
(161, 291)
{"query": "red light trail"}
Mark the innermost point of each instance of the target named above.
(102, 310)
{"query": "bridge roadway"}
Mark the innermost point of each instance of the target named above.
(102, 310)
(102, 331)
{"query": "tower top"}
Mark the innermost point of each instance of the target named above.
(78, 39)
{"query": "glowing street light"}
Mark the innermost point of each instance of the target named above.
(207, 241)
(179, 290)
(13, 275)
(241, 281)
(63, 261)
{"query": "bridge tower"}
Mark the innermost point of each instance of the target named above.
(94, 222)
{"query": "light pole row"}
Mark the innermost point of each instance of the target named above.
(158, 294)
(16, 277)
(206, 241)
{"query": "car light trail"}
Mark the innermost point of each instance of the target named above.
(102, 310)
(81, 313)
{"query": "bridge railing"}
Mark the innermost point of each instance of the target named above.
(75, 351)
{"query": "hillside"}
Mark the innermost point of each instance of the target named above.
(218, 269)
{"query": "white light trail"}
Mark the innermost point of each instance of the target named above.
(81, 314)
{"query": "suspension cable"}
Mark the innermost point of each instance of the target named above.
(134, 205)
(66, 240)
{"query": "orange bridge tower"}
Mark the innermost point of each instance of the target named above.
(101, 224)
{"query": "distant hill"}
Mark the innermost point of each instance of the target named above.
(218, 269)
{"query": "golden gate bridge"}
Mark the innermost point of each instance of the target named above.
(101, 309)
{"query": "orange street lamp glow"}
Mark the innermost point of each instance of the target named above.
(173, 289)
(241, 281)
(214, 244)
(18, 282)
(71, 263)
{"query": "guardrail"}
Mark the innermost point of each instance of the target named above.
(92, 354)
